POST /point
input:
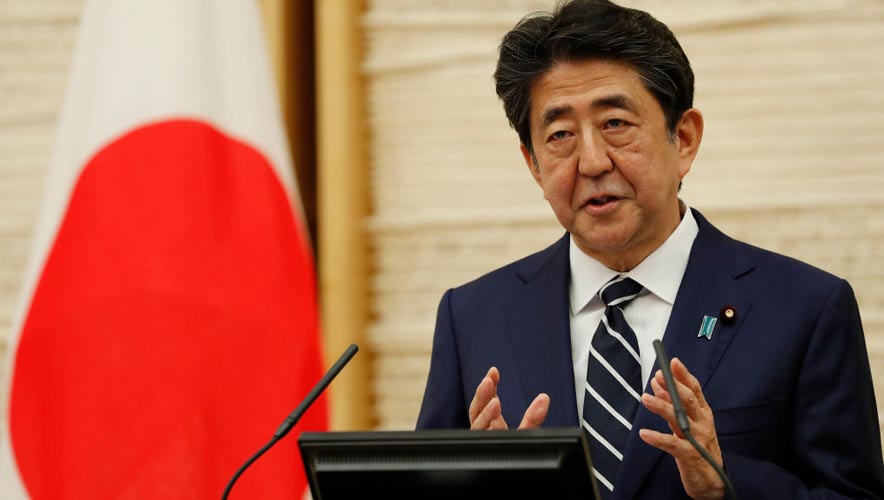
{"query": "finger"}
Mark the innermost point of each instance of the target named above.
(669, 408)
(689, 401)
(536, 412)
(484, 393)
(658, 385)
(675, 446)
(489, 418)
(495, 376)
(661, 406)
(497, 423)
(688, 398)
(657, 403)
(486, 390)
(682, 374)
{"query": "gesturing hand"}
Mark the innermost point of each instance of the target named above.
(485, 409)
(698, 477)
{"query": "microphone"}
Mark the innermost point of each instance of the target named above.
(295, 415)
(681, 418)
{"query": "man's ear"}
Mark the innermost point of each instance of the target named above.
(531, 162)
(689, 134)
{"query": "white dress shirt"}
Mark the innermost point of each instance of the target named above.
(648, 314)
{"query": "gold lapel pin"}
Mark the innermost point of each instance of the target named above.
(728, 315)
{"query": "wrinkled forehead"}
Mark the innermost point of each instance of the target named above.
(590, 83)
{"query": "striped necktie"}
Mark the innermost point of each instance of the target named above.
(613, 383)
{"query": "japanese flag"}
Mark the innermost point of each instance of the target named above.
(168, 321)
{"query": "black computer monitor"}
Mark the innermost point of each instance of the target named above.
(449, 464)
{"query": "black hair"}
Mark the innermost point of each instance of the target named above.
(592, 29)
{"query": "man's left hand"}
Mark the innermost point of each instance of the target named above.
(700, 480)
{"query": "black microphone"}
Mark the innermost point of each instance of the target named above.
(682, 418)
(294, 416)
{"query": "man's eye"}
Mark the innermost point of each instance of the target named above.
(559, 135)
(614, 123)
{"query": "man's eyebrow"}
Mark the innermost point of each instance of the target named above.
(620, 101)
(552, 114)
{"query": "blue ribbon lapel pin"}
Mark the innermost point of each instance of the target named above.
(707, 327)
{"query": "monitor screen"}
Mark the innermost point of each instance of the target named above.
(448, 464)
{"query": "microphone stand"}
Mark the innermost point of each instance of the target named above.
(296, 415)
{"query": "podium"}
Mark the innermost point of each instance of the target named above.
(449, 464)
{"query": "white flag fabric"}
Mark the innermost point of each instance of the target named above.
(168, 318)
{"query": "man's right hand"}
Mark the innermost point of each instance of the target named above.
(485, 410)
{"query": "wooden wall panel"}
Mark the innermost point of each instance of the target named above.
(36, 46)
(792, 158)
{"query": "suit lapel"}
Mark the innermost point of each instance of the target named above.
(708, 285)
(540, 333)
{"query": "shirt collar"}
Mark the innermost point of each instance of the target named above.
(660, 273)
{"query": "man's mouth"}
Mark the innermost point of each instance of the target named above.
(601, 200)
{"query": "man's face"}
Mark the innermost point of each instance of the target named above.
(605, 160)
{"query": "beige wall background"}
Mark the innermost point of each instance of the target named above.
(792, 159)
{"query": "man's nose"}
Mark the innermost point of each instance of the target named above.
(594, 159)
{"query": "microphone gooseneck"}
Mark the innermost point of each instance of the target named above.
(682, 418)
(295, 415)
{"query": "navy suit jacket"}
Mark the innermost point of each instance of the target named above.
(788, 380)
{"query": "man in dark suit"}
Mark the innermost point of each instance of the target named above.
(771, 361)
